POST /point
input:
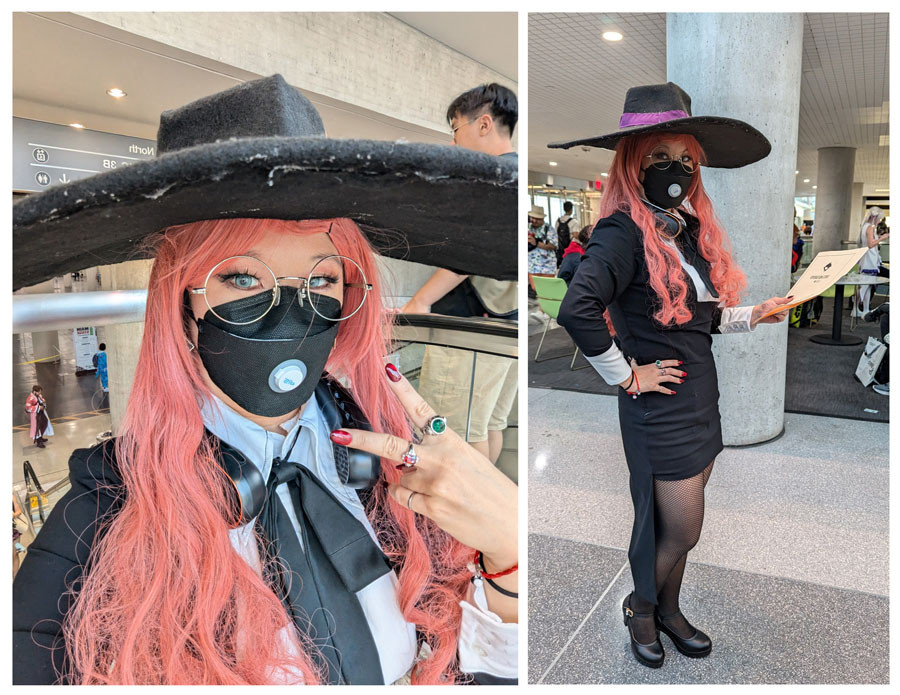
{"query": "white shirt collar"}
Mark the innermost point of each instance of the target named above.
(260, 445)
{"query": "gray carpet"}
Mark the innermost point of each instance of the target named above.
(842, 395)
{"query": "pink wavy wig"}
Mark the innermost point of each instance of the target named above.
(623, 193)
(166, 598)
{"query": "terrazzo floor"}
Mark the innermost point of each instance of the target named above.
(793, 558)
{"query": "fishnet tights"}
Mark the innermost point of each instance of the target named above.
(678, 512)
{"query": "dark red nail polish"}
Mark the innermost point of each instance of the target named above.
(341, 437)
(392, 372)
(404, 467)
(680, 362)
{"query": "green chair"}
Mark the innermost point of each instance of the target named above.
(550, 293)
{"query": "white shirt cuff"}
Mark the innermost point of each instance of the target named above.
(736, 319)
(486, 643)
(611, 365)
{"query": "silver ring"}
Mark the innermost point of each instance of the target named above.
(662, 372)
(410, 458)
(409, 501)
(436, 426)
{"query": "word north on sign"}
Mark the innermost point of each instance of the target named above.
(47, 154)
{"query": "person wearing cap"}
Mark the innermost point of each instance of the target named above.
(870, 263)
(267, 514)
(658, 271)
(542, 243)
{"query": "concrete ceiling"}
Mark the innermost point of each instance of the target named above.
(64, 63)
(491, 38)
(577, 85)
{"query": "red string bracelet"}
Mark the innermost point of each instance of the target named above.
(478, 562)
(637, 390)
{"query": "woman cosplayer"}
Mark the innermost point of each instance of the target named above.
(268, 512)
(659, 269)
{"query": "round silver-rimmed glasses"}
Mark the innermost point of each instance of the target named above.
(245, 277)
(661, 159)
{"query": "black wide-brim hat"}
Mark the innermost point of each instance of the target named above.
(258, 150)
(666, 108)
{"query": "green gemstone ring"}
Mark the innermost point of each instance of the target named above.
(436, 425)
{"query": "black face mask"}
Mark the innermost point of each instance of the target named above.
(667, 187)
(271, 366)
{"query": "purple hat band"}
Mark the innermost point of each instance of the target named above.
(631, 119)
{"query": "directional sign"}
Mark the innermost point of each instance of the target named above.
(46, 154)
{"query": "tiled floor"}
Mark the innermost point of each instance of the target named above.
(793, 557)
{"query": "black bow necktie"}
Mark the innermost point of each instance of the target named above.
(318, 580)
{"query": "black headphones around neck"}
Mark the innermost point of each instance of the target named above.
(356, 469)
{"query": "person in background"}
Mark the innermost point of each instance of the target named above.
(481, 119)
(870, 263)
(796, 250)
(542, 243)
(100, 362)
(573, 253)
(565, 225)
(36, 406)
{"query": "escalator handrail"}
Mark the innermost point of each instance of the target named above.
(484, 335)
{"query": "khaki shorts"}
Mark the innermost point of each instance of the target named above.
(445, 382)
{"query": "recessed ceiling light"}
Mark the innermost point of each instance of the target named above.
(553, 164)
(76, 125)
(611, 36)
(116, 93)
(882, 190)
(796, 172)
(805, 180)
(604, 174)
(815, 187)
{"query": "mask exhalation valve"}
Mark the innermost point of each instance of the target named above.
(287, 376)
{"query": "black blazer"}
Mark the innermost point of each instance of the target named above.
(613, 275)
(55, 563)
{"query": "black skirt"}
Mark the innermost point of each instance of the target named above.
(664, 436)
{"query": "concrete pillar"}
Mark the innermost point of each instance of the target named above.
(856, 211)
(747, 66)
(123, 341)
(45, 346)
(834, 197)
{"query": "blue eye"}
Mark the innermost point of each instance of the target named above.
(240, 281)
(322, 282)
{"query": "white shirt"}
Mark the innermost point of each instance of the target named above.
(486, 644)
(614, 368)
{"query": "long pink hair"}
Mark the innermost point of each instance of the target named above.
(166, 598)
(623, 193)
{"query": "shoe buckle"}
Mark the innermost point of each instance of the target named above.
(629, 612)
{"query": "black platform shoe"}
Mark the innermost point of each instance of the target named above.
(652, 654)
(696, 646)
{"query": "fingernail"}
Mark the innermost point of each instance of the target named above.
(392, 372)
(404, 467)
(685, 374)
(680, 362)
(341, 437)
(791, 297)
(681, 382)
